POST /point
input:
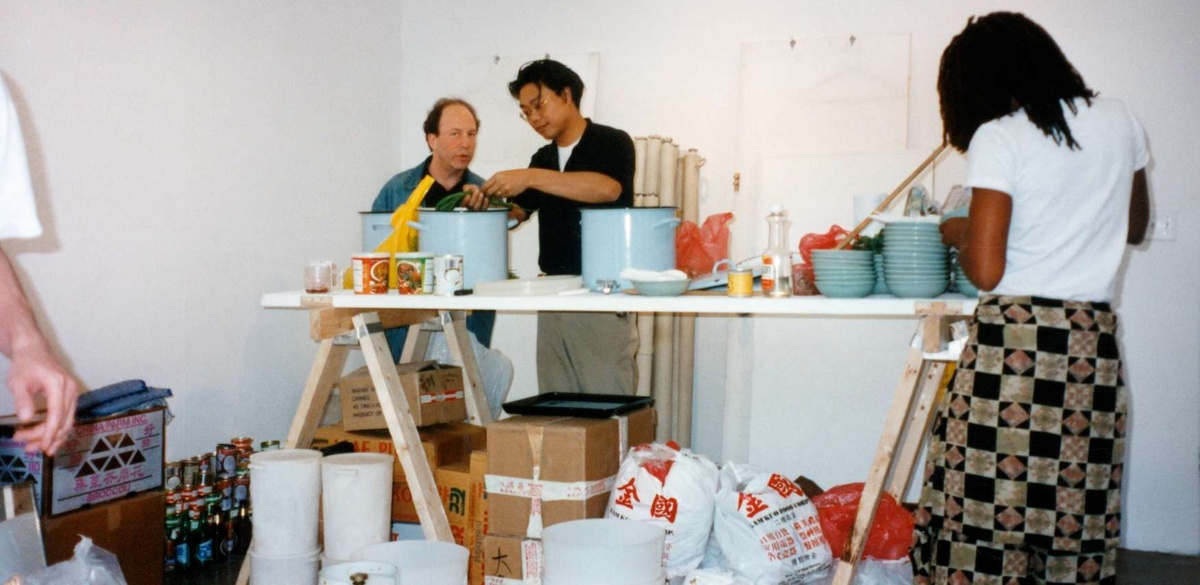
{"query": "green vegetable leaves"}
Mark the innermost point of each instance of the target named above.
(449, 202)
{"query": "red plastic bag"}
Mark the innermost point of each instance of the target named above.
(891, 535)
(697, 248)
(825, 241)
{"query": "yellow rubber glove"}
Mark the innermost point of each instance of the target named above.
(403, 237)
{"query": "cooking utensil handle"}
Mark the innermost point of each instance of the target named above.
(892, 197)
(673, 221)
(416, 226)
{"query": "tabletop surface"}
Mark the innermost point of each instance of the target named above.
(703, 303)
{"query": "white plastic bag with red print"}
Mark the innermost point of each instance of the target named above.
(674, 490)
(768, 529)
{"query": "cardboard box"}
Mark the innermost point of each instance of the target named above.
(443, 444)
(454, 486)
(103, 459)
(477, 506)
(578, 460)
(511, 558)
(129, 527)
(434, 393)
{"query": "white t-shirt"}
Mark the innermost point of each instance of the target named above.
(18, 210)
(1070, 214)
(564, 154)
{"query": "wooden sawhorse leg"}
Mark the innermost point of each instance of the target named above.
(326, 326)
(904, 432)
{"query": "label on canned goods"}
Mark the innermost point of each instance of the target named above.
(371, 273)
(414, 273)
(741, 282)
(447, 274)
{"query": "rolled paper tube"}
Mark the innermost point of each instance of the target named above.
(653, 152)
(668, 160)
(639, 165)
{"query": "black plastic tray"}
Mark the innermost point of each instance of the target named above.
(574, 404)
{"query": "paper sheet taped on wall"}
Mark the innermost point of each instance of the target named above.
(510, 140)
(824, 95)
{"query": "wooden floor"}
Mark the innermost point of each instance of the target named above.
(1135, 568)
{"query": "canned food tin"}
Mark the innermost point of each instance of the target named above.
(272, 445)
(414, 273)
(173, 500)
(371, 273)
(173, 475)
(242, 442)
(226, 459)
(225, 489)
(741, 282)
(447, 274)
(241, 490)
(191, 469)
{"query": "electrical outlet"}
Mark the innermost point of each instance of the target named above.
(1162, 227)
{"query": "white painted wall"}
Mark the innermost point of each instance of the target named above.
(189, 157)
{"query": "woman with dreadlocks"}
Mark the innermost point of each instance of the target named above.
(1025, 460)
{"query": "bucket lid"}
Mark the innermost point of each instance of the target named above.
(286, 456)
(357, 459)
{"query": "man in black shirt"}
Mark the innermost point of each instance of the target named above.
(586, 165)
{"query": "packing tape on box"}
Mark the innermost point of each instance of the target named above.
(449, 396)
(532, 566)
(539, 491)
(623, 442)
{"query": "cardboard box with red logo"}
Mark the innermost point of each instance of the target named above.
(434, 393)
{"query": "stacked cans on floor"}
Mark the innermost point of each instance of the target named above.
(208, 515)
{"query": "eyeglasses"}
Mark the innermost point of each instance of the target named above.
(537, 109)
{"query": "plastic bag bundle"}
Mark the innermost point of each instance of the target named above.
(768, 529)
(891, 533)
(697, 248)
(674, 490)
(91, 565)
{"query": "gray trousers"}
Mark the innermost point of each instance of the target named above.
(591, 353)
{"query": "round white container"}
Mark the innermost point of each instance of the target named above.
(421, 562)
(298, 569)
(286, 492)
(356, 498)
(603, 552)
(377, 573)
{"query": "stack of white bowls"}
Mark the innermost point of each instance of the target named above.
(844, 273)
(915, 261)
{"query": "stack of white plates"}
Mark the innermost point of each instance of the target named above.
(844, 273)
(915, 261)
(961, 283)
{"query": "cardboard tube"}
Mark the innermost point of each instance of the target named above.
(645, 353)
(639, 165)
(662, 377)
(667, 162)
(653, 153)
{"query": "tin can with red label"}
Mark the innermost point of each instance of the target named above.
(371, 272)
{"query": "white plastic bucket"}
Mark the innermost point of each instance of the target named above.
(286, 492)
(377, 573)
(619, 238)
(356, 498)
(298, 569)
(603, 552)
(421, 562)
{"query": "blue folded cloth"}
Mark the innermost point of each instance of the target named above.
(135, 401)
(88, 400)
(120, 397)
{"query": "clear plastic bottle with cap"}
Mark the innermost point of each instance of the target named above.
(777, 259)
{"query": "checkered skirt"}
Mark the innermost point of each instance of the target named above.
(1023, 473)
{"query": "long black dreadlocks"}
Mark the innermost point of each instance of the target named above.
(1000, 63)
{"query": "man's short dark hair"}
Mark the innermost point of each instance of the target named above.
(550, 73)
(434, 119)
